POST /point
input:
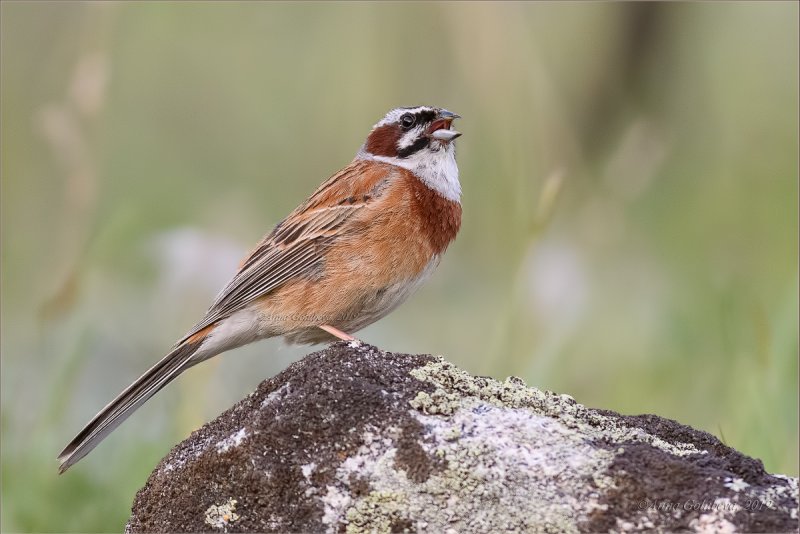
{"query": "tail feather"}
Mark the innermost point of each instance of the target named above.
(110, 417)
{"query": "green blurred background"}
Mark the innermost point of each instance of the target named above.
(630, 209)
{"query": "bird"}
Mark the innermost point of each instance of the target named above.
(356, 249)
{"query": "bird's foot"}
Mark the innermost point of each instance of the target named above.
(338, 333)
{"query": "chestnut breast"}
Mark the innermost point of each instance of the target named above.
(397, 235)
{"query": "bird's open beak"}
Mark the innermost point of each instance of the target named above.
(440, 128)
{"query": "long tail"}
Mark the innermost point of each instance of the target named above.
(128, 401)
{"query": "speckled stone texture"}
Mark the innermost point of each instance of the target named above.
(354, 439)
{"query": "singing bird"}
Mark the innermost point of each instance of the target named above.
(346, 257)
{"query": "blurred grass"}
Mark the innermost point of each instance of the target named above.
(630, 202)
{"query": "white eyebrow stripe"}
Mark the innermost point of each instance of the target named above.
(395, 114)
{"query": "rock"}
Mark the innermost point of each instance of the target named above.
(355, 439)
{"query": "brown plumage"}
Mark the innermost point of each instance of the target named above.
(347, 256)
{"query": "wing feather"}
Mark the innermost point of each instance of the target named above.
(297, 245)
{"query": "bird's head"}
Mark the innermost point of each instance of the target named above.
(419, 139)
(405, 132)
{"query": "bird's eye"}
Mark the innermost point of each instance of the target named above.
(407, 121)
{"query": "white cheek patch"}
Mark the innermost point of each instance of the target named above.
(409, 137)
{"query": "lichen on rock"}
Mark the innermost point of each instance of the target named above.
(355, 439)
(219, 516)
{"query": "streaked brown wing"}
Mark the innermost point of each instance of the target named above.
(297, 245)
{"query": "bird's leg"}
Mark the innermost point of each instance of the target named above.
(337, 333)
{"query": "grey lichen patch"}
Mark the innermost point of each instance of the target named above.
(234, 440)
(448, 378)
(438, 402)
(379, 511)
(457, 389)
(531, 469)
(775, 495)
(750, 498)
(221, 515)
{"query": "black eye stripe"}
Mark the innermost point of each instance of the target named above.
(416, 146)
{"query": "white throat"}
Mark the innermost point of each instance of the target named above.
(437, 169)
